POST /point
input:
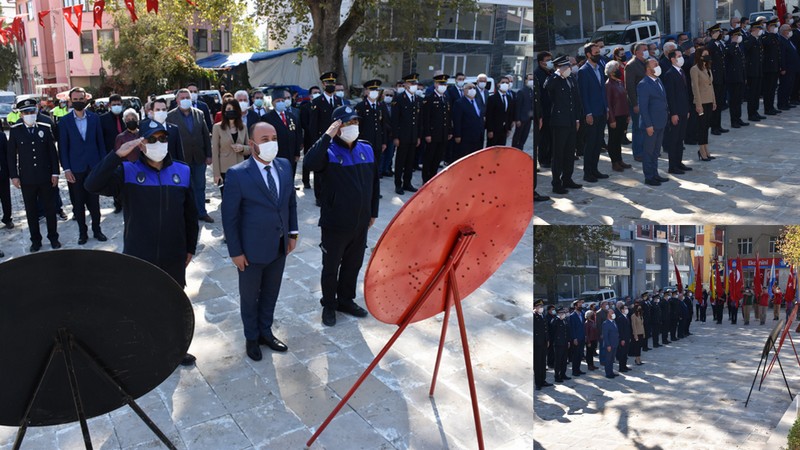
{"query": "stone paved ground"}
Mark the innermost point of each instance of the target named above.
(231, 402)
(753, 180)
(688, 395)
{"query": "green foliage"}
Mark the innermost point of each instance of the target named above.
(555, 246)
(9, 66)
(243, 37)
(794, 436)
(789, 244)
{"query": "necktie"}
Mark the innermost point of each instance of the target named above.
(505, 103)
(332, 102)
(31, 130)
(271, 187)
(119, 125)
(283, 118)
(475, 107)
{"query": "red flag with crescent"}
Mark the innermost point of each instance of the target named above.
(18, 29)
(42, 15)
(132, 9)
(99, 6)
(152, 5)
(75, 25)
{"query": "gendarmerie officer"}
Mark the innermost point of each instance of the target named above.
(562, 338)
(541, 341)
(371, 124)
(655, 320)
(407, 129)
(665, 318)
(437, 127)
(320, 119)
(772, 66)
(33, 167)
(716, 49)
(754, 58)
(735, 69)
(565, 117)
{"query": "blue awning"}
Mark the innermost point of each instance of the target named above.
(223, 61)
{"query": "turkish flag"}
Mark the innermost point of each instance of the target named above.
(75, 25)
(780, 9)
(790, 286)
(42, 15)
(99, 6)
(191, 3)
(678, 276)
(698, 284)
(758, 284)
(18, 29)
(132, 9)
(3, 32)
(152, 5)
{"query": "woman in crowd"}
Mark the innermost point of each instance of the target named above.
(592, 336)
(218, 115)
(228, 141)
(619, 115)
(131, 120)
(704, 102)
(637, 326)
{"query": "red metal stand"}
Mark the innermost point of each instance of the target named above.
(446, 272)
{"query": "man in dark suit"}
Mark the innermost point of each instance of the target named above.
(437, 127)
(33, 167)
(372, 119)
(543, 145)
(259, 216)
(386, 106)
(735, 69)
(482, 85)
(674, 82)
(290, 135)
(625, 332)
(112, 125)
(308, 133)
(524, 118)
(565, 119)
(174, 145)
(716, 49)
(320, 119)
(790, 67)
(753, 50)
(653, 111)
(772, 66)
(540, 344)
(592, 88)
(467, 123)
(81, 147)
(610, 341)
(199, 104)
(455, 92)
(259, 106)
(499, 114)
(407, 130)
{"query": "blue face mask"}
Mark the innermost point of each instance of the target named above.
(280, 106)
(186, 103)
(258, 103)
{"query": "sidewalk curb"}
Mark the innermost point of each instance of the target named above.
(778, 439)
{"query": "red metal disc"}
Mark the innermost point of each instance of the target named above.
(490, 191)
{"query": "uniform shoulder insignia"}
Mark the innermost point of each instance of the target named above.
(44, 124)
(18, 124)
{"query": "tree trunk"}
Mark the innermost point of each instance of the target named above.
(329, 35)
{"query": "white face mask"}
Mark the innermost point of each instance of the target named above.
(760, 32)
(340, 94)
(401, 90)
(657, 71)
(267, 151)
(529, 83)
(160, 116)
(503, 87)
(680, 61)
(726, 38)
(244, 105)
(387, 98)
(613, 316)
(737, 39)
(539, 310)
(549, 65)
(412, 89)
(646, 54)
(420, 93)
(116, 109)
(482, 84)
(460, 83)
(349, 133)
(566, 72)
(561, 316)
(156, 151)
(29, 119)
(441, 89)
(150, 115)
(194, 97)
(471, 92)
(185, 103)
(773, 30)
(315, 95)
(373, 95)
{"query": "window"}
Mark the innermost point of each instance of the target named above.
(227, 41)
(87, 5)
(745, 246)
(105, 36)
(216, 41)
(650, 255)
(466, 25)
(701, 229)
(643, 33)
(201, 40)
(617, 258)
(87, 43)
(29, 5)
(34, 47)
(698, 251)
(773, 244)
(519, 25)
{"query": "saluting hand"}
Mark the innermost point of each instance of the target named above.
(125, 149)
(334, 128)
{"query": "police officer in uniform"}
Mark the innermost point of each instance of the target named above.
(320, 119)
(561, 342)
(541, 341)
(565, 117)
(665, 318)
(437, 127)
(735, 69)
(655, 320)
(716, 49)
(754, 58)
(33, 168)
(675, 316)
(648, 323)
(407, 129)
(537, 124)
(371, 124)
(772, 66)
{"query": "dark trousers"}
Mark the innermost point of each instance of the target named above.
(544, 144)
(665, 327)
(697, 312)
(652, 148)
(560, 363)
(673, 141)
(591, 146)
(386, 159)
(622, 355)
(735, 105)
(769, 84)
(673, 329)
(656, 332)
(690, 138)
(551, 356)
(259, 285)
(306, 171)
(734, 314)
(431, 159)
(83, 200)
(647, 330)
(404, 164)
(704, 123)
(563, 155)
(521, 134)
(539, 364)
(499, 138)
(703, 313)
(577, 356)
(615, 136)
(608, 363)
(342, 257)
(719, 97)
(686, 324)
(466, 148)
(591, 350)
(753, 95)
(5, 193)
(785, 89)
(32, 196)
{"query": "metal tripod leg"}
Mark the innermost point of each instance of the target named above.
(64, 337)
(23, 427)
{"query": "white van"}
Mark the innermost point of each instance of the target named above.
(598, 296)
(625, 33)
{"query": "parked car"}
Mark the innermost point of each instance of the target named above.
(5, 109)
(598, 296)
(212, 98)
(127, 102)
(767, 14)
(625, 33)
(8, 97)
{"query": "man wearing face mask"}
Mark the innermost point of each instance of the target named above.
(561, 342)
(259, 215)
(610, 342)
(735, 69)
(249, 117)
(544, 144)
(81, 147)
(371, 124)
(157, 115)
(321, 109)
(625, 336)
(32, 164)
(482, 83)
(524, 111)
(407, 130)
(592, 88)
(290, 134)
(716, 49)
(194, 92)
(772, 66)
(196, 142)
(258, 103)
(635, 72)
(60, 111)
(455, 92)
(437, 127)
(500, 114)
(754, 58)
(654, 112)
(565, 117)
(112, 125)
(131, 120)
(540, 344)
(308, 134)
(349, 208)
(158, 207)
(790, 67)
(678, 103)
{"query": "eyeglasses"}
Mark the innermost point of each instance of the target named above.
(154, 139)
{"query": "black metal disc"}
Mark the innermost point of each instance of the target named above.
(133, 317)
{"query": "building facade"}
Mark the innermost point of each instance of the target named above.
(750, 241)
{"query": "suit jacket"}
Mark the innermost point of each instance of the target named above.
(524, 105)
(290, 136)
(197, 143)
(320, 115)
(623, 326)
(174, 144)
(664, 63)
(635, 71)
(79, 155)
(610, 334)
(772, 52)
(31, 157)
(108, 122)
(250, 118)
(222, 154)
(593, 91)
(499, 119)
(653, 106)
(202, 106)
(790, 59)
(254, 224)
(467, 123)
(677, 93)
(482, 96)
(453, 94)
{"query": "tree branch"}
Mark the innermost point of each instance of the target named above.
(355, 18)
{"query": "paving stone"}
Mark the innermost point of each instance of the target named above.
(218, 433)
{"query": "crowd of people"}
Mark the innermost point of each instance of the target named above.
(155, 170)
(613, 331)
(670, 98)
